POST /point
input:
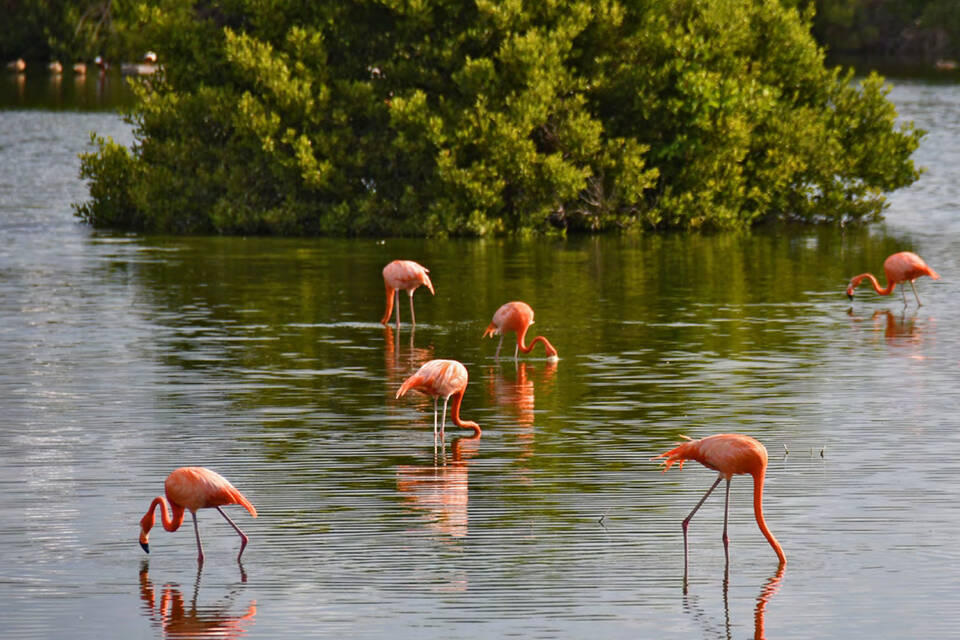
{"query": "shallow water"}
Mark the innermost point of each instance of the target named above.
(128, 356)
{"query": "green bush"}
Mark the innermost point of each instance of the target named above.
(438, 117)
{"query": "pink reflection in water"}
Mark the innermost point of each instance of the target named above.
(178, 620)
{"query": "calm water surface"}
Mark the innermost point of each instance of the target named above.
(126, 356)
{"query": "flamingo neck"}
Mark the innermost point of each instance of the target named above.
(876, 285)
(170, 522)
(528, 348)
(455, 415)
(758, 512)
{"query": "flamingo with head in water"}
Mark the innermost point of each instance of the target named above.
(404, 275)
(729, 454)
(517, 317)
(444, 378)
(193, 488)
(905, 266)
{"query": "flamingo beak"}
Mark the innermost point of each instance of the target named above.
(145, 546)
(850, 295)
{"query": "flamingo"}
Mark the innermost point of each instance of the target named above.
(441, 378)
(729, 454)
(517, 316)
(905, 266)
(406, 275)
(194, 488)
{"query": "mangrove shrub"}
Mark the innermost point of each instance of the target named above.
(434, 117)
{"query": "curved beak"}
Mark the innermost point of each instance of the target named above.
(850, 295)
(145, 546)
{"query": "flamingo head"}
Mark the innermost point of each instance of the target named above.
(852, 287)
(146, 523)
(144, 541)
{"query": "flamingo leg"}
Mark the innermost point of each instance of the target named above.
(516, 353)
(499, 344)
(726, 510)
(443, 418)
(435, 398)
(196, 530)
(915, 294)
(398, 309)
(686, 521)
(413, 318)
(243, 536)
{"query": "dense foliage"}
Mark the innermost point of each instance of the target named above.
(445, 117)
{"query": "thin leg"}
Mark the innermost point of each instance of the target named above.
(397, 305)
(443, 418)
(435, 398)
(903, 292)
(726, 538)
(686, 521)
(243, 536)
(196, 530)
(499, 344)
(915, 294)
(516, 353)
(413, 318)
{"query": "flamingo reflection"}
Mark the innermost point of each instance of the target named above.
(181, 621)
(767, 591)
(401, 361)
(517, 396)
(898, 328)
(440, 492)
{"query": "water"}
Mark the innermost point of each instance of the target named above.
(127, 356)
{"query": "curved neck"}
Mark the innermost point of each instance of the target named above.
(528, 348)
(169, 523)
(455, 415)
(876, 285)
(758, 512)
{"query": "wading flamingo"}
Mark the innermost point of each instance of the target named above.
(899, 267)
(517, 317)
(730, 454)
(441, 378)
(194, 488)
(406, 275)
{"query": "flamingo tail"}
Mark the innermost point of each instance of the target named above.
(680, 454)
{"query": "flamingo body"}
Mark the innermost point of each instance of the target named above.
(901, 267)
(192, 488)
(729, 454)
(403, 275)
(441, 378)
(517, 317)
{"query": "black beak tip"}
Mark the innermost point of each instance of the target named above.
(850, 295)
(145, 547)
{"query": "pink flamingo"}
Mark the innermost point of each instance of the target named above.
(517, 316)
(730, 454)
(441, 378)
(900, 267)
(406, 275)
(194, 488)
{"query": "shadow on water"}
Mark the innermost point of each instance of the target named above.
(179, 619)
